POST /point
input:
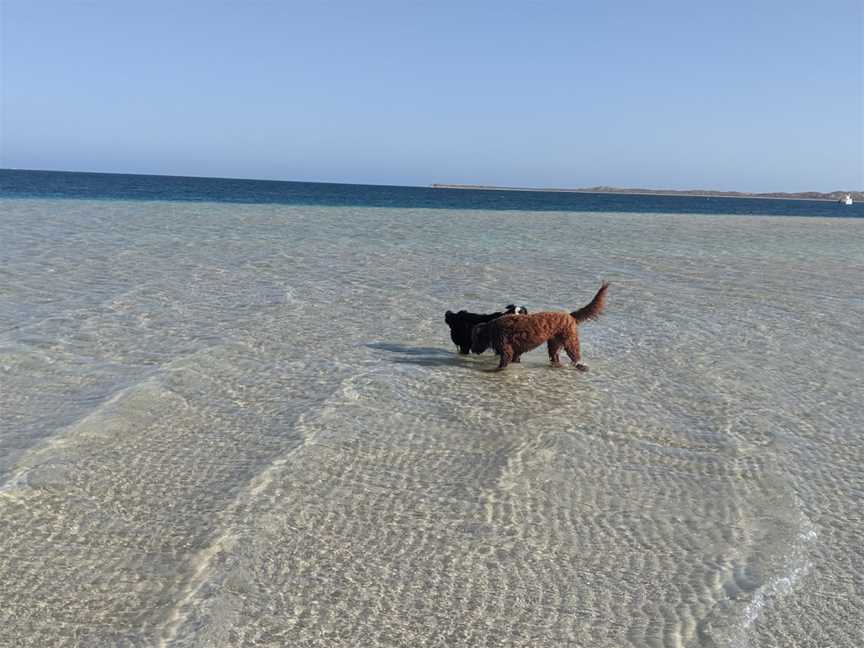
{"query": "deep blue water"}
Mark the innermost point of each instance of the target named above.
(103, 186)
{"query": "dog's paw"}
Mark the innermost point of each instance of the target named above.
(579, 366)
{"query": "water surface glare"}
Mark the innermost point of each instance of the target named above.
(245, 425)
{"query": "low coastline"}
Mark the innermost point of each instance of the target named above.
(829, 197)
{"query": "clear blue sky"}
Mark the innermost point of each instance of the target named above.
(749, 95)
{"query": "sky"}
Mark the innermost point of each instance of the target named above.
(751, 96)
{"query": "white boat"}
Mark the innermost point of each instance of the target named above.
(847, 200)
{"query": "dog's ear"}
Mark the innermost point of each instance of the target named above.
(511, 308)
(448, 316)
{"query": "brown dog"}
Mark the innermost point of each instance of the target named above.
(513, 335)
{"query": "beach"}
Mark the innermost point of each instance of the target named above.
(245, 425)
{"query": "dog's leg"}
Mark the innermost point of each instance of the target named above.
(517, 357)
(464, 349)
(554, 346)
(506, 357)
(571, 347)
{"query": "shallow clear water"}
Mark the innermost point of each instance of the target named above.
(226, 424)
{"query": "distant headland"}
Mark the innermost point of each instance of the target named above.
(857, 196)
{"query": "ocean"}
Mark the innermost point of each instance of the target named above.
(231, 415)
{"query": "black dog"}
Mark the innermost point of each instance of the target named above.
(462, 322)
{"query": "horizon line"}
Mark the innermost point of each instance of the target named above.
(599, 189)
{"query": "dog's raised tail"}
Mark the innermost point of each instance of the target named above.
(592, 310)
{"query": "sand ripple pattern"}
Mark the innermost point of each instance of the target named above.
(229, 425)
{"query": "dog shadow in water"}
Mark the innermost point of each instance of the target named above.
(424, 356)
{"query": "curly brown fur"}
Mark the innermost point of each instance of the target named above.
(462, 322)
(511, 336)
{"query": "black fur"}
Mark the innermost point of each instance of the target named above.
(462, 322)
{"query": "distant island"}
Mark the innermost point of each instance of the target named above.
(857, 196)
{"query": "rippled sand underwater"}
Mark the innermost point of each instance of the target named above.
(245, 425)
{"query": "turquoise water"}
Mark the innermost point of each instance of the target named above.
(231, 424)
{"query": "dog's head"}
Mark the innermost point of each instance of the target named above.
(460, 328)
(513, 309)
(480, 338)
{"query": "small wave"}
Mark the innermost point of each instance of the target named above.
(794, 570)
(92, 423)
(202, 565)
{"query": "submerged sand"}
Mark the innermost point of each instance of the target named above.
(229, 425)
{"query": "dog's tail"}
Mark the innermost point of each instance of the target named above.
(592, 310)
